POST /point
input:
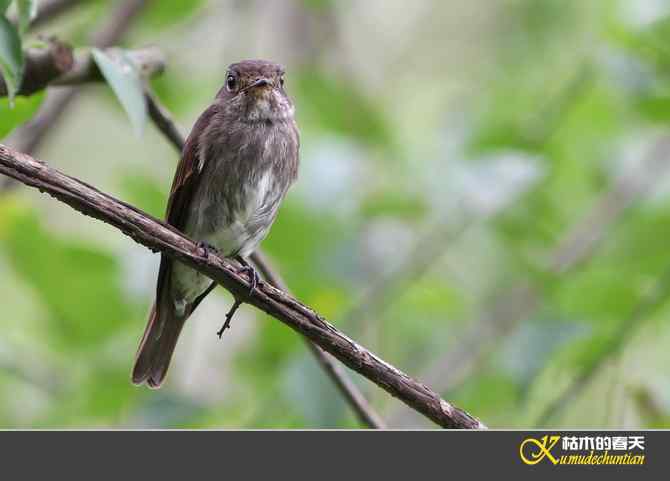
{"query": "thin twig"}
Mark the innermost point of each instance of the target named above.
(158, 236)
(162, 119)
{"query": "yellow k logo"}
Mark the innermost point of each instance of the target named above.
(538, 449)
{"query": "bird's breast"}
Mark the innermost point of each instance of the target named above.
(246, 176)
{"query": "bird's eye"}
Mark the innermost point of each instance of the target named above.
(231, 83)
(281, 82)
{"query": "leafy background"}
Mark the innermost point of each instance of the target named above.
(449, 150)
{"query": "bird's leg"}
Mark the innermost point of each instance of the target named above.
(206, 248)
(229, 317)
(253, 280)
(250, 271)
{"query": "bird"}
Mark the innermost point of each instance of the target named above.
(237, 164)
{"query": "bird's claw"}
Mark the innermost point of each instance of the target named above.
(206, 248)
(254, 278)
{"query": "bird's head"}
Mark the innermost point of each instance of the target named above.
(255, 90)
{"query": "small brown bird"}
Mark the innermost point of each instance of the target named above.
(237, 165)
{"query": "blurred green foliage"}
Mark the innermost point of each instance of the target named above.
(22, 110)
(394, 142)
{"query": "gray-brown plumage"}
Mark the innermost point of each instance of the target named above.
(238, 162)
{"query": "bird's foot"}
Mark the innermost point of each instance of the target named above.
(206, 248)
(247, 269)
(229, 317)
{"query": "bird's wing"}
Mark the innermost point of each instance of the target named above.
(187, 177)
(165, 323)
(184, 186)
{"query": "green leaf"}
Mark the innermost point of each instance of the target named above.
(27, 10)
(24, 109)
(4, 5)
(123, 77)
(11, 56)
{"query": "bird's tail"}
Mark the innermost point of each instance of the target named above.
(158, 344)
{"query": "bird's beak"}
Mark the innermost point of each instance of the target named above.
(261, 82)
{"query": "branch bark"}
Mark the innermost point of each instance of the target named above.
(42, 66)
(160, 237)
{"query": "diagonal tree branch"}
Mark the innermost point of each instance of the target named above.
(160, 237)
(365, 413)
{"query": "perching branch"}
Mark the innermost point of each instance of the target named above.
(365, 413)
(160, 237)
